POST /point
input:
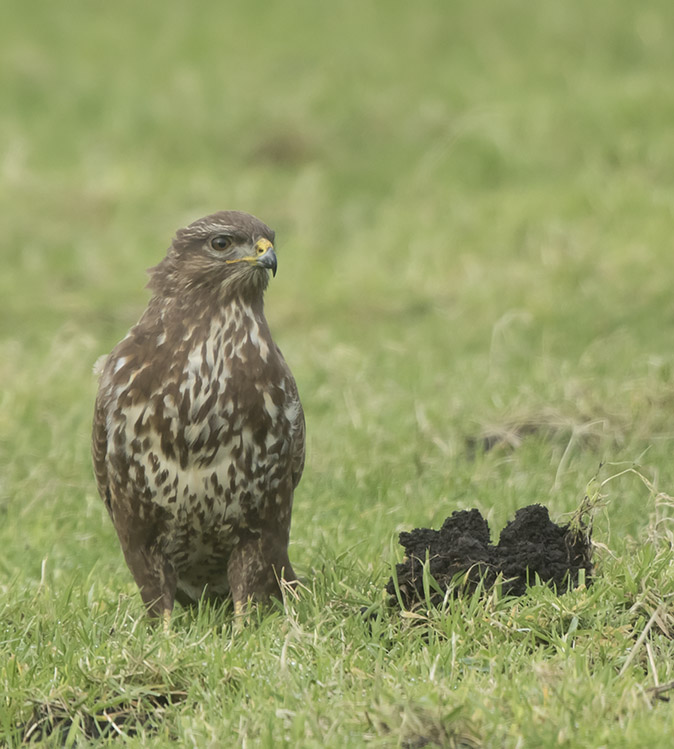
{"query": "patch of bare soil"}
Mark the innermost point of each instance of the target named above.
(54, 720)
(461, 554)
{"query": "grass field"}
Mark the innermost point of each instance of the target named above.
(475, 207)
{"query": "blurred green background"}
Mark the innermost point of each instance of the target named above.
(474, 211)
(474, 205)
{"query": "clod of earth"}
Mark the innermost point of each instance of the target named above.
(54, 720)
(461, 554)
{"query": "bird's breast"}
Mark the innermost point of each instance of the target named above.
(211, 444)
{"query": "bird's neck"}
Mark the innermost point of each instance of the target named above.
(242, 308)
(198, 310)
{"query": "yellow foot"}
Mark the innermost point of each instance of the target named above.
(239, 616)
(166, 619)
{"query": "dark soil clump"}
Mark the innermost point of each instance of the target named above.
(461, 555)
(53, 721)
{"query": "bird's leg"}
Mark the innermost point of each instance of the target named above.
(156, 578)
(239, 615)
(255, 565)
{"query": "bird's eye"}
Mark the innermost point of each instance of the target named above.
(221, 242)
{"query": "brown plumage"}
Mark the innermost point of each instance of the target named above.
(198, 436)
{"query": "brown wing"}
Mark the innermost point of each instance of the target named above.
(99, 450)
(298, 428)
(299, 442)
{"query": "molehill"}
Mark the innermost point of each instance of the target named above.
(461, 554)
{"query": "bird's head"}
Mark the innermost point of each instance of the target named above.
(229, 252)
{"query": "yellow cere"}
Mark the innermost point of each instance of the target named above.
(261, 246)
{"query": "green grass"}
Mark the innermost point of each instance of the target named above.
(474, 211)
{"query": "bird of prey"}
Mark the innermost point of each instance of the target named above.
(198, 434)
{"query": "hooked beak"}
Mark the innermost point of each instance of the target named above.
(265, 255)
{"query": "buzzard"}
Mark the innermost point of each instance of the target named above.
(198, 433)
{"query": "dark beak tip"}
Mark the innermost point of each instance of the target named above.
(268, 260)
